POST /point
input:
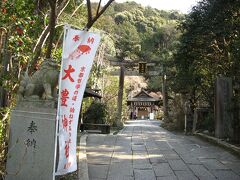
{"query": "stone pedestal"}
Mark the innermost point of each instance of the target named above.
(223, 114)
(31, 146)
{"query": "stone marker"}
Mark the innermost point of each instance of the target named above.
(223, 116)
(31, 146)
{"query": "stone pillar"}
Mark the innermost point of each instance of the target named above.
(223, 114)
(31, 146)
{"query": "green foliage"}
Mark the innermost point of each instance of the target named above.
(208, 47)
(120, 18)
(3, 124)
(127, 41)
(161, 43)
(141, 34)
(22, 25)
(4, 129)
(145, 19)
(176, 119)
(159, 47)
(110, 93)
(155, 83)
(208, 123)
(96, 113)
(136, 29)
(76, 18)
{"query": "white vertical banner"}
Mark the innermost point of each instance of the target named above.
(79, 49)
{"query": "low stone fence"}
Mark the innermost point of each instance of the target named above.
(99, 128)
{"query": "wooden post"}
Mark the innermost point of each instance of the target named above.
(120, 97)
(164, 93)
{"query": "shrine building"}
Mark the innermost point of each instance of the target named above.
(144, 105)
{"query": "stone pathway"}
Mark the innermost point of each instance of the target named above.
(145, 151)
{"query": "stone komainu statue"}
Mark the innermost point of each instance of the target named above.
(42, 84)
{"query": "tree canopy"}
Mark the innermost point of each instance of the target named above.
(209, 46)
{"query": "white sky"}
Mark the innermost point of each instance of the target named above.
(182, 5)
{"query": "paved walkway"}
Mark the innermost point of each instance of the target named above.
(145, 151)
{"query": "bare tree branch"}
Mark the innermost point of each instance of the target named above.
(45, 33)
(61, 7)
(89, 9)
(56, 46)
(41, 38)
(92, 20)
(99, 5)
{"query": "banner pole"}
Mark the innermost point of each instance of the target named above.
(79, 50)
(58, 107)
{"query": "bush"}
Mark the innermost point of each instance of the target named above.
(96, 113)
(208, 123)
(175, 120)
(4, 127)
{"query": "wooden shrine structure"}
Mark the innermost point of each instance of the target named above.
(144, 105)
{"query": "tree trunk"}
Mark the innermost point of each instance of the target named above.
(52, 24)
(4, 58)
(120, 97)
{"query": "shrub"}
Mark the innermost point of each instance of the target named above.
(96, 113)
(208, 123)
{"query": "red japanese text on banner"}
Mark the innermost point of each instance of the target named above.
(79, 50)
